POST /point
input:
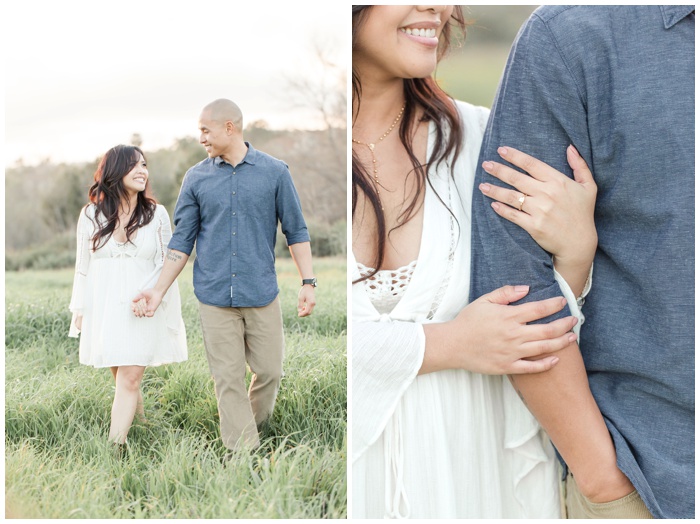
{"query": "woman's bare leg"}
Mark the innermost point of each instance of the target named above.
(126, 398)
(140, 412)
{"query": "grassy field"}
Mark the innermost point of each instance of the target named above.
(58, 463)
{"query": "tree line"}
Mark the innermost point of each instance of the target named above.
(43, 201)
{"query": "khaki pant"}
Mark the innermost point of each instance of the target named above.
(578, 506)
(232, 337)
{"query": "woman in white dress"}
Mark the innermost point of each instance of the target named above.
(122, 237)
(437, 429)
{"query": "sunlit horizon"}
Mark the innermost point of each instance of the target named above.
(107, 71)
(154, 134)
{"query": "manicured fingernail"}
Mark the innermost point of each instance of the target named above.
(502, 151)
(563, 301)
(488, 166)
(555, 360)
(575, 321)
(522, 289)
(572, 337)
(485, 188)
(495, 206)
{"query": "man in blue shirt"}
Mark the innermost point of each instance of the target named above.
(617, 82)
(230, 205)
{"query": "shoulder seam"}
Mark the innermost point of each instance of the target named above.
(555, 42)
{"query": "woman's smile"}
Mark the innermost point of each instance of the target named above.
(423, 33)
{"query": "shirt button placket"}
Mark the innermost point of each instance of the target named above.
(234, 228)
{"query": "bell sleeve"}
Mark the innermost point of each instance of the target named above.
(386, 357)
(82, 264)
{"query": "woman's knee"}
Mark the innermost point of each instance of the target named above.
(129, 377)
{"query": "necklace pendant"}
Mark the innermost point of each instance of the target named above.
(371, 147)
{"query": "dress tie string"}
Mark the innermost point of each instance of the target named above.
(396, 500)
(120, 252)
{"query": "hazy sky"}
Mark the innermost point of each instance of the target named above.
(82, 76)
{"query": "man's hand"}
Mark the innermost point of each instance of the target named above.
(145, 303)
(307, 301)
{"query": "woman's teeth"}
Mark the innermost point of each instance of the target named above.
(429, 33)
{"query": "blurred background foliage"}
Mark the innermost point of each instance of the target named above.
(473, 68)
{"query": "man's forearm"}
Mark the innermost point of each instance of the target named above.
(575, 273)
(301, 255)
(174, 263)
(562, 402)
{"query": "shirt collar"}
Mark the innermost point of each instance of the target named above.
(249, 157)
(672, 14)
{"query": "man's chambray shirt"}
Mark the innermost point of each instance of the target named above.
(617, 82)
(231, 212)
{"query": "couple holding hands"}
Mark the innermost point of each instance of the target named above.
(126, 303)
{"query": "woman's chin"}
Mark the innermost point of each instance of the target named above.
(422, 69)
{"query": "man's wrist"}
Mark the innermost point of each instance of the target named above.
(309, 282)
(580, 265)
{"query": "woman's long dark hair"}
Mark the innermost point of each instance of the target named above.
(108, 192)
(421, 94)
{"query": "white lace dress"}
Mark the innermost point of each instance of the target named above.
(449, 444)
(387, 286)
(105, 282)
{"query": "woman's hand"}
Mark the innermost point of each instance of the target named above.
(555, 210)
(79, 322)
(146, 302)
(139, 307)
(491, 337)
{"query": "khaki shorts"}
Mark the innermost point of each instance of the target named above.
(578, 506)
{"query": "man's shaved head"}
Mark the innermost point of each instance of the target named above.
(223, 110)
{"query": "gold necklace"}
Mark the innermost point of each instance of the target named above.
(371, 147)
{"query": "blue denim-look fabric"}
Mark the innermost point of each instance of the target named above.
(618, 83)
(232, 212)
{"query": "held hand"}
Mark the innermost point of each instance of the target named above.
(139, 308)
(79, 322)
(491, 337)
(307, 301)
(555, 210)
(145, 303)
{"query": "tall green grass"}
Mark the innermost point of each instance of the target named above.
(59, 465)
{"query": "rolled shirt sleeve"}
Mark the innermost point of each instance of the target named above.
(186, 218)
(289, 210)
(538, 110)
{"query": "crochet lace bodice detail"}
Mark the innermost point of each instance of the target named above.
(387, 286)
